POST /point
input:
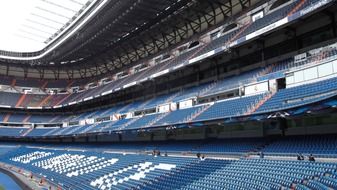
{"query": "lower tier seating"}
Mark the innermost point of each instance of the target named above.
(96, 169)
(320, 146)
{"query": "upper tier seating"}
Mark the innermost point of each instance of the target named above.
(141, 122)
(300, 95)
(10, 99)
(233, 82)
(40, 118)
(39, 132)
(269, 18)
(230, 108)
(326, 53)
(28, 82)
(175, 117)
(57, 84)
(17, 118)
(283, 99)
(6, 80)
(79, 82)
(33, 100)
(12, 131)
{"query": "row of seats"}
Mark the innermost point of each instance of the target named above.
(24, 118)
(202, 90)
(277, 70)
(95, 169)
(283, 99)
(321, 146)
(300, 95)
(12, 131)
(46, 83)
(270, 16)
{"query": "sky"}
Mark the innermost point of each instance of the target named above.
(27, 24)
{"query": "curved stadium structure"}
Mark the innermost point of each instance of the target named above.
(187, 94)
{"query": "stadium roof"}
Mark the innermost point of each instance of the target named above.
(114, 34)
(32, 25)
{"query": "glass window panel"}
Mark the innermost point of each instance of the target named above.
(298, 76)
(325, 70)
(310, 73)
(335, 66)
(290, 79)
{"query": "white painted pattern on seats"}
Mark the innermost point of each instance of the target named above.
(109, 180)
(27, 158)
(97, 167)
(74, 164)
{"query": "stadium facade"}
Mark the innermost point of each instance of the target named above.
(250, 84)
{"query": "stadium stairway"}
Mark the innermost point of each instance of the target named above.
(110, 111)
(159, 117)
(27, 132)
(236, 36)
(63, 99)
(20, 101)
(6, 118)
(104, 113)
(45, 100)
(73, 130)
(125, 125)
(69, 84)
(13, 82)
(51, 132)
(89, 128)
(25, 120)
(207, 89)
(297, 7)
(169, 99)
(145, 103)
(55, 118)
(92, 114)
(189, 57)
(260, 103)
(106, 127)
(44, 85)
(267, 70)
(198, 112)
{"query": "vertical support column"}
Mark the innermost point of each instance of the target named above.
(217, 70)
(261, 45)
(25, 71)
(197, 68)
(334, 24)
(240, 90)
(7, 69)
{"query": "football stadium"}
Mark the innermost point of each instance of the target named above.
(168, 94)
